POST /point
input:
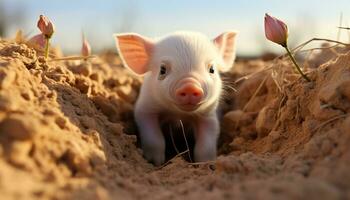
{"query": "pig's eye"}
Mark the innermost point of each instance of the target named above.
(162, 72)
(211, 69)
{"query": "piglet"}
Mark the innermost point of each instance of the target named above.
(181, 81)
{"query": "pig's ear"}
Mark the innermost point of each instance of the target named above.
(226, 46)
(135, 51)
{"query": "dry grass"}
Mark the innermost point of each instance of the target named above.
(172, 140)
(187, 146)
(72, 58)
(318, 128)
(171, 160)
(284, 76)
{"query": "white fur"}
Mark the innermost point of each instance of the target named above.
(186, 54)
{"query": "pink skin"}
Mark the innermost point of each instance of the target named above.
(189, 94)
(181, 81)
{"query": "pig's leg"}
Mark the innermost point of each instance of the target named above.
(206, 135)
(152, 139)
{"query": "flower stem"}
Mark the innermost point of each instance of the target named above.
(296, 64)
(47, 47)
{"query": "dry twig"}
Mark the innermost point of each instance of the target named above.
(318, 128)
(169, 161)
(71, 58)
(183, 133)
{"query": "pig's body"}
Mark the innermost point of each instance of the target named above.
(149, 115)
(181, 82)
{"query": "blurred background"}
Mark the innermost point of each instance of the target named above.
(100, 19)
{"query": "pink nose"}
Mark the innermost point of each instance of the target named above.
(189, 93)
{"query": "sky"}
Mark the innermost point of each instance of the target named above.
(100, 19)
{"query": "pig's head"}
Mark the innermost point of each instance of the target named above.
(183, 68)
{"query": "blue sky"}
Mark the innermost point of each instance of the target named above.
(100, 19)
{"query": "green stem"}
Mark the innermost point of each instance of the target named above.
(296, 64)
(47, 47)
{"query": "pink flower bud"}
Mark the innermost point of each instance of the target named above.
(276, 30)
(46, 26)
(85, 49)
(38, 41)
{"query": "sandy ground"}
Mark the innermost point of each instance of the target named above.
(67, 132)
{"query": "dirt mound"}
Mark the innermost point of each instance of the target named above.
(67, 132)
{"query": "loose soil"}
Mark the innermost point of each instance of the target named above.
(67, 132)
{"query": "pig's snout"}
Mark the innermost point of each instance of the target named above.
(189, 92)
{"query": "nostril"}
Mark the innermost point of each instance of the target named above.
(189, 93)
